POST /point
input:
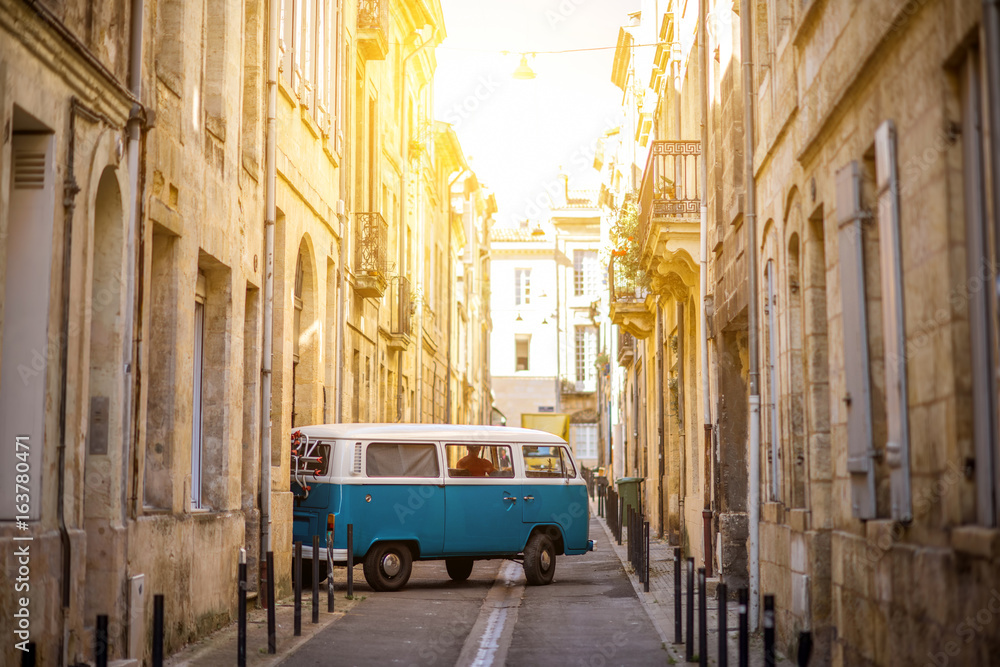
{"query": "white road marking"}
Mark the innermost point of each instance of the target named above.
(489, 640)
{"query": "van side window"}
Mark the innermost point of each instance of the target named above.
(398, 460)
(568, 466)
(547, 461)
(475, 460)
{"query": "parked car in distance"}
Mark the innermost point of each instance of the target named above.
(436, 492)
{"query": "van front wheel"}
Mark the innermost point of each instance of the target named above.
(539, 560)
(388, 566)
(459, 569)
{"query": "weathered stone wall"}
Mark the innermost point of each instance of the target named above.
(918, 593)
(40, 77)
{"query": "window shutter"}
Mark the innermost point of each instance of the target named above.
(856, 370)
(897, 449)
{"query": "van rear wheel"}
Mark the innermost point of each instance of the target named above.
(387, 566)
(539, 560)
(459, 569)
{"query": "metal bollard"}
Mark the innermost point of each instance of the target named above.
(805, 648)
(621, 507)
(689, 648)
(241, 628)
(723, 627)
(645, 558)
(329, 571)
(272, 637)
(315, 573)
(350, 560)
(101, 641)
(158, 631)
(744, 628)
(628, 527)
(768, 631)
(297, 617)
(702, 620)
(677, 595)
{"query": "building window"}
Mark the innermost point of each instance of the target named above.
(25, 318)
(522, 287)
(585, 347)
(770, 306)
(522, 343)
(585, 441)
(197, 441)
(585, 272)
(980, 270)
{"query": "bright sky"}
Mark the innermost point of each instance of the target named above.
(516, 133)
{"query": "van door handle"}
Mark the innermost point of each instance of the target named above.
(510, 498)
(529, 497)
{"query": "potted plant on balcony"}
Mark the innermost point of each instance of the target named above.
(626, 246)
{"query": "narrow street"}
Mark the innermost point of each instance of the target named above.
(588, 616)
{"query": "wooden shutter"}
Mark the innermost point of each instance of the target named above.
(897, 449)
(857, 398)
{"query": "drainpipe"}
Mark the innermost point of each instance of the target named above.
(270, 214)
(70, 190)
(991, 28)
(746, 36)
(134, 128)
(682, 431)
(659, 414)
(342, 215)
(706, 384)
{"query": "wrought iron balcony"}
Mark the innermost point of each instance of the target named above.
(670, 187)
(370, 256)
(626, 348)
(669, 223)
(628, 301)
(373, 28)
(622, 283)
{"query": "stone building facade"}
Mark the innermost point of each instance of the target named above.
(549, 333)
(873, 206)
(135, 189)
(66, 197)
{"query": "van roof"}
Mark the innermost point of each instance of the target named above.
(428, 432)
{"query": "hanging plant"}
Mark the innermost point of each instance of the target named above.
(625, 247)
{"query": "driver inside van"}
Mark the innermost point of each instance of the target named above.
(476, 465)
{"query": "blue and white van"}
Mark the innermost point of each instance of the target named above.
(437, 492)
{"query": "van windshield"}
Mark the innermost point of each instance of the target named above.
(547, 461)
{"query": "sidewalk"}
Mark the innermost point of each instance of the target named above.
(219, 648)
(659, 604)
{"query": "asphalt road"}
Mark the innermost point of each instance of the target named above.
(588, 616)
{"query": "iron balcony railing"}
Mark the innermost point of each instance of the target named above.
(373, 15)
(401, 319)
(626, 346)
(622, 283)
(670, 186)
(373, 28)
(372, 245)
